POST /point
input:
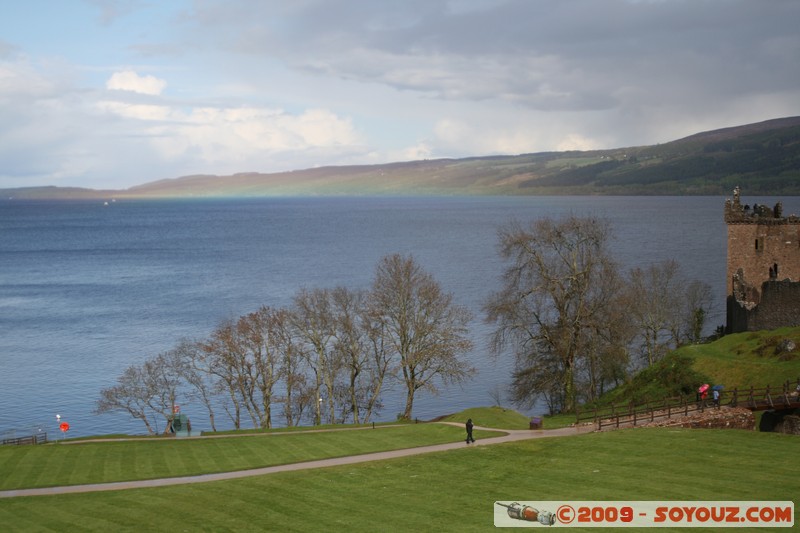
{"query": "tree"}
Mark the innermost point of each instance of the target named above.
(164, 378)
(557, 286)
(350, 345)
(145, 390)
(698, 300)
(224, 360)
(359, 350)
(312, 320)
(652, 301)
(263, 334)
(198, 376)
(424, 330)
(130, 394)
(666, 309)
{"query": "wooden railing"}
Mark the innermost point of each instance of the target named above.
(784, 396)
(35, 438)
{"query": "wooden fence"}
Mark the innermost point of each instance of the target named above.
(785, 396)
(17, 437)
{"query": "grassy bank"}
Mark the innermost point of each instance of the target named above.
(448, 491)
(742, 360)
(749, 359)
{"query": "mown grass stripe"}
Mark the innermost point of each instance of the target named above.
(92, 462)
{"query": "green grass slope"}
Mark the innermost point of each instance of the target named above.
(491, 417)
(742, 360)
(748, 359)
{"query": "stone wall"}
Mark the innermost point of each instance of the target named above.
(778, 306)
(789, 425)
(757, 246)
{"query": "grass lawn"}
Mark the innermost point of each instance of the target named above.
(447, 491)
(84, 462)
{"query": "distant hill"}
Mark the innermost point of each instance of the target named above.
(764, 158)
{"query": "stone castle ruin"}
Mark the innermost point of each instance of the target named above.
(763, 267)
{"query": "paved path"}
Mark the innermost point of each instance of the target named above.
(510, 436)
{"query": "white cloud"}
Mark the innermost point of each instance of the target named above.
(22, 80)
(128, 80)
(134, 111)
(225, 137)
(575, 141)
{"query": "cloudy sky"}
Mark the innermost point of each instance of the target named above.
(115, 93)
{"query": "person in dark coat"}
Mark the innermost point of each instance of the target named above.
(469, 431)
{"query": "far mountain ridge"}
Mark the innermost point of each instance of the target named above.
(763, 158)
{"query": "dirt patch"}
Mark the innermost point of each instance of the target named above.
(722, 418)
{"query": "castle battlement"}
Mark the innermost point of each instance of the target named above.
(738, 213)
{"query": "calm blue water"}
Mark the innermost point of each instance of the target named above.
(87, 289)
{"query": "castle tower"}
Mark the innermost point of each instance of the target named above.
(763, 257)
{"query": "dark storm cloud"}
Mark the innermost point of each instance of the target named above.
(570, 54)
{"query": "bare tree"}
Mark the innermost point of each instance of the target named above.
(264, 336)
(607, 339)
(130, 395)
(496, 394)
(163, 377)
(313, 323)
(698, 301)
(421, 325)
(298, 395)
(379, 362)
(201, 379)
(555, 290)
(145, 390)
(653, 303)
(350, 345)
(224, 361)
(667, 309)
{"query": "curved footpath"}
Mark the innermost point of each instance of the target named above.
(511, 435)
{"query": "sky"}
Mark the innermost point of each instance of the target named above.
(108, 94)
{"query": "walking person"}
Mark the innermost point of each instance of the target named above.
(469, 431)
(703, 390)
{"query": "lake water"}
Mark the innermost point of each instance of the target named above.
(88, 289)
